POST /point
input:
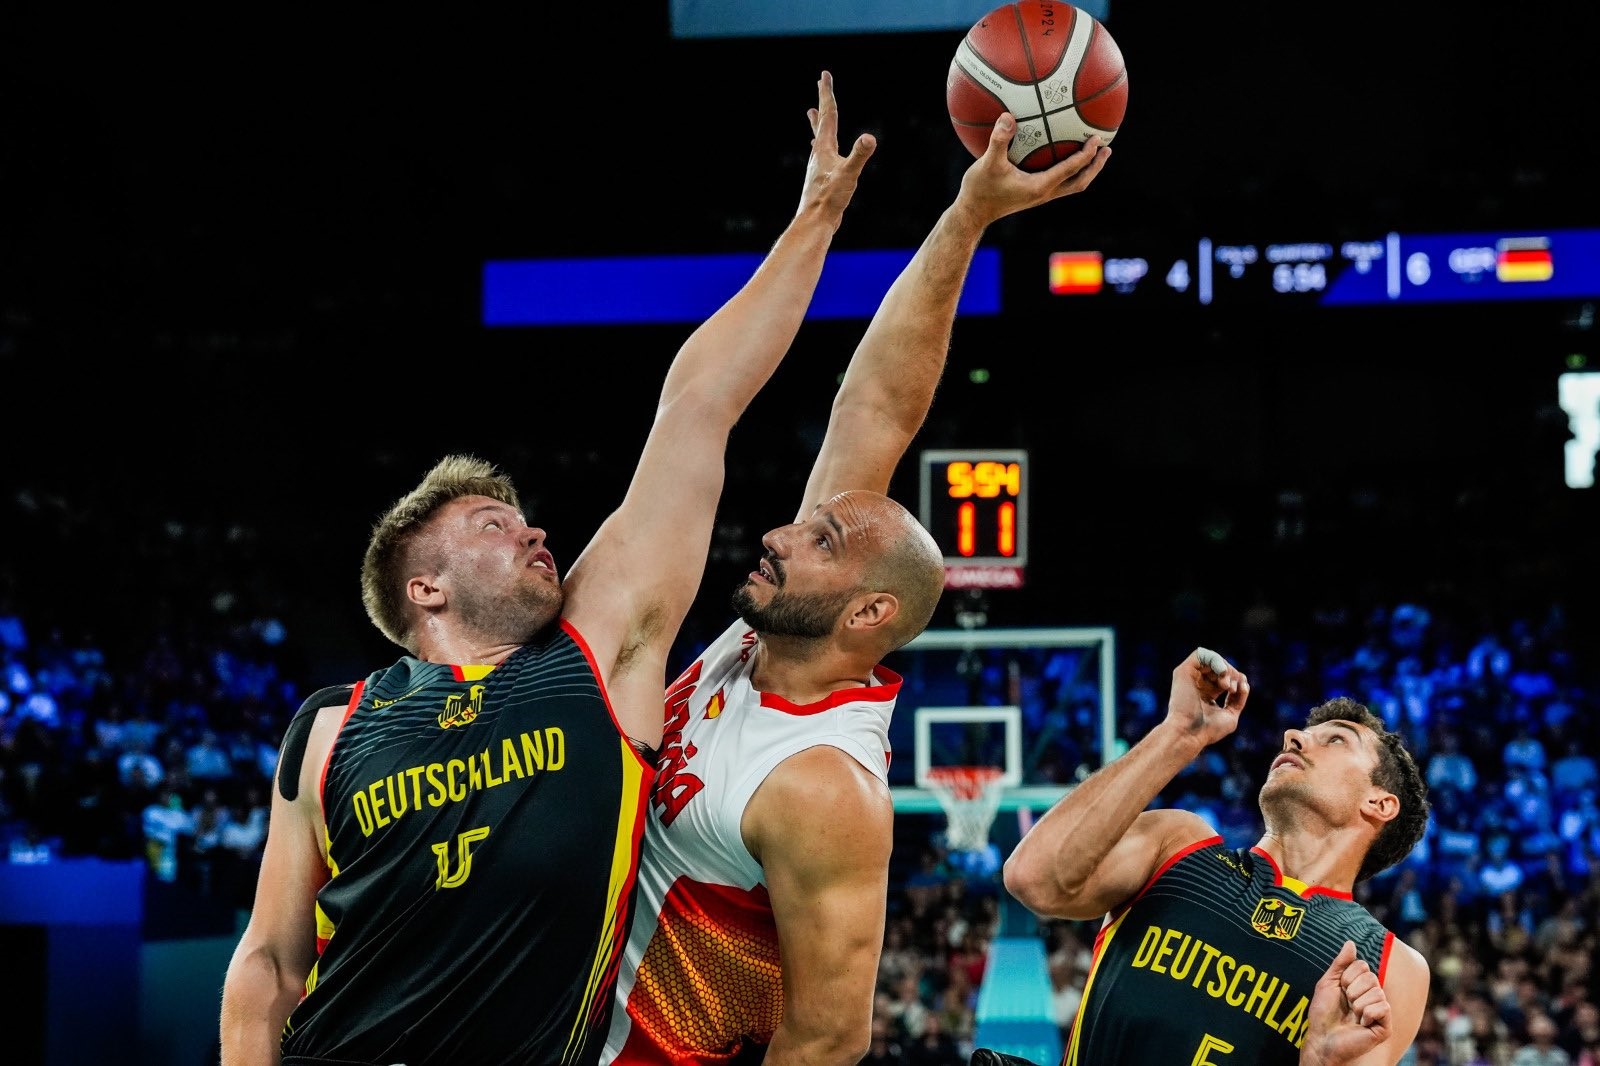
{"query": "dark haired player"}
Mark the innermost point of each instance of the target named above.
(1212, 957)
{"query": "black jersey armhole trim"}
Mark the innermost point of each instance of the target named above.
(293, 751)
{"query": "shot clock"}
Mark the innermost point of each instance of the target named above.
(975, 503)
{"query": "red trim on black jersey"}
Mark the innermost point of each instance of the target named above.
(600, 682)
(322, 778)
(1172, 861)
(1383, 961)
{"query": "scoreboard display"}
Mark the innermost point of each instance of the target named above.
(1382, 269)
(975, 503)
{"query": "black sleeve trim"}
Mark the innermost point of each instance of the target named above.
(293, 750)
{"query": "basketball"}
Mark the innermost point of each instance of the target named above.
(1050, 64)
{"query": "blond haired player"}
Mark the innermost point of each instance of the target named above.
(451, 854)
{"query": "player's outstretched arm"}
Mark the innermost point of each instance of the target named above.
(648, 557)
(266, 976)
(890, 382)
(822, 827)
(1098, 846)
(1355, 1021)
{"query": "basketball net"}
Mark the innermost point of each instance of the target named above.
(970, 796)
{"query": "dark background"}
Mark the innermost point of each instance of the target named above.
(239, 268)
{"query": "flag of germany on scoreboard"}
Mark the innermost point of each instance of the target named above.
(1523, 259)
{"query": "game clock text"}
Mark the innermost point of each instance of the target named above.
(975, 503)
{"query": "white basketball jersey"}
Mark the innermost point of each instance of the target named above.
(700, 974)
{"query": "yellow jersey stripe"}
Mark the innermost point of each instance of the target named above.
(625, 849)
(1088, 983)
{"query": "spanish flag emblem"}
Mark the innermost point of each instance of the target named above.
(1523, 259)
(1076, 272)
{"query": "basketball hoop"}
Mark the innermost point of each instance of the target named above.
(970, 796)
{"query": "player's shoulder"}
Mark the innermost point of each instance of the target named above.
(323, 698)
(826, 784)
(1176, 831)
(820, 793)
(297, 736)
(1406, 961)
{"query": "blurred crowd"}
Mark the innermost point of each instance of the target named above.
(1502, 896)
(162, 748)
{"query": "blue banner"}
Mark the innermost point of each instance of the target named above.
(631, 290)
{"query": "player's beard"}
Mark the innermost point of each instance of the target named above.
(513, 617)
(810, 617)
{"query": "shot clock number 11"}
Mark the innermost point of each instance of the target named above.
(975, 503)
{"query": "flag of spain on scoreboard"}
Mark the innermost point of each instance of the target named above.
(1076, 272)
(1523, 259)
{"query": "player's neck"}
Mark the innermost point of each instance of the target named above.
(1327, 858)
(462, 649)
(803, 670)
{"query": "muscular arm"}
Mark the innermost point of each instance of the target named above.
(890, 382)
(1098, 846)
(647, 559)
(822, 828)
(267, 973)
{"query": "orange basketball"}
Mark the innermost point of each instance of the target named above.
(1050, 64)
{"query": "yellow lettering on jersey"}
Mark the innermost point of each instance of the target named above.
(1266, 984)
(1235, 997)
(1180, 965)
(1186, 958)
(510, 765)
(392, 797)
(1147, 947)
(1200, 975)
(1164, 951)
(1208, 1044)
(1295, 1025)
(463, 870)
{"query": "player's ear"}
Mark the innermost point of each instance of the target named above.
(872, 610)
(1382, 806)
(424, 591)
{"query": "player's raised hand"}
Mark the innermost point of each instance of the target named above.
(831, 178)
(1349, 1012)
(1207, 696)
(994, 187)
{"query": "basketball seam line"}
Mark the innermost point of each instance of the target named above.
(1033, 72)
(980, 86)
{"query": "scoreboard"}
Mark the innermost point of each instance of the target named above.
(975, 503)
(1376, 270)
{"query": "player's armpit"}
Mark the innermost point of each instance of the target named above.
(822, 827)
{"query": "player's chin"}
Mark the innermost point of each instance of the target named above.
(543, 605)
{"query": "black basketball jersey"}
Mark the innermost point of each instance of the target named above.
(483, 838)
(1214, 962)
